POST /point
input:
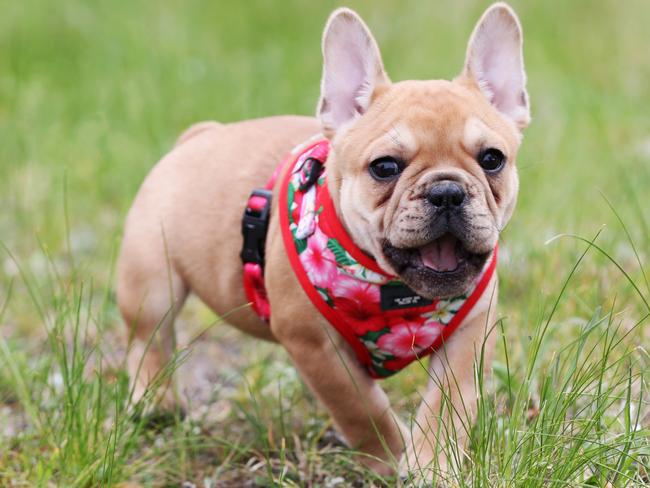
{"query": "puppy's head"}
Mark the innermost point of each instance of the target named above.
(422, 173)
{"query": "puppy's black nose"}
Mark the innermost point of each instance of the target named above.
(446, 194)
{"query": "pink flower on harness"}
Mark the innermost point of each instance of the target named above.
(408, 339)
(319, 261)
(359, 301)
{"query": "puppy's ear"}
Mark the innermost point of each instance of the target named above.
(352, 69)
(495, 62)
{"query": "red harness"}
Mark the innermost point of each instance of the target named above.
(386, 324)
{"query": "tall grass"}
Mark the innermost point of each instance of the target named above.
(556, 413)
(569, 414)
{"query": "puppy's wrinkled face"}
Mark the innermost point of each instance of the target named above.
(423, 172)
(426, 180)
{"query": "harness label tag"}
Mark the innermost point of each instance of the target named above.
(395, 297)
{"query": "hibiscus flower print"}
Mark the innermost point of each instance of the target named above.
(408, 339)
(354, 289)
(319, 262)
(359, 302)
(409, 318)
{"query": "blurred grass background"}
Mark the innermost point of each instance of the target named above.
(92, 93)
(101, 89)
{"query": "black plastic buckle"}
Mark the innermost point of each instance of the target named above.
(255, 224)
(311, 171)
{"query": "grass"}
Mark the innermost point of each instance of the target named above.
(92, 93)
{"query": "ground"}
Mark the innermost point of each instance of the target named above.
(93, 93)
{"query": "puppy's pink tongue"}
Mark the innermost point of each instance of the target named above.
(440, 255)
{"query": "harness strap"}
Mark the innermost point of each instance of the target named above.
(255, 224)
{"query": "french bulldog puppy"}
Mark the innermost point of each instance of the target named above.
(451, 185)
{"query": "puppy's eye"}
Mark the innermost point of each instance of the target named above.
(491, 160)
(385, 168)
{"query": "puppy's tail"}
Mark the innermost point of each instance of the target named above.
(195, 130)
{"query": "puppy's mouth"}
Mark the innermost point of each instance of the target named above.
(442, 268)
(444, 255)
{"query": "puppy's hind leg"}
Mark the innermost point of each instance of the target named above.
(150, 294)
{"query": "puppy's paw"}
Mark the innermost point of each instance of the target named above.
(418, 480)
(158, 419)
(157, 409)
(421, 475)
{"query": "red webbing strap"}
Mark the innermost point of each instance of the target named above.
(253, 272)
(256, 291)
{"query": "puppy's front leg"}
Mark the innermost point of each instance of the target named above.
(448, 407)
(359, 407)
